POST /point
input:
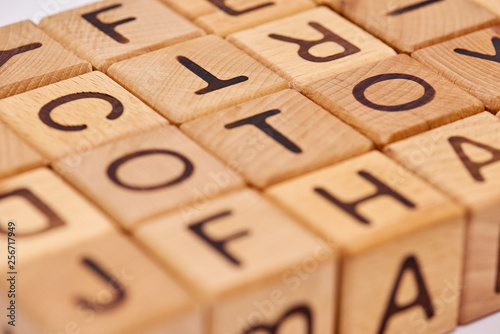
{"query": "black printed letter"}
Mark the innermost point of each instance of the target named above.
(113, 169)
(301, 310)
(497, 288)
(6, 55)
(382, 190)
(423, 299)
(213, 82)
(221, 4)
(44, 113)
(328, 36)
(474, 168)
(360, 89)
(53, 220)
(495, 57)
(259, 121)
(119, 290)
(219, 245)
(108, 28)
(412, 7)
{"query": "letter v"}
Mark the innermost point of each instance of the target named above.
(495, 58)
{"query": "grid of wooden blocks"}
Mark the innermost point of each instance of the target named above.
(251, 167)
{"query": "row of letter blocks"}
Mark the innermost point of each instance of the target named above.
(248, 167)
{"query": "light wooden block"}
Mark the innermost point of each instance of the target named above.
(409, 25)
(401, 243)
(71, 117)
(196, 78)
(254, 267)
(492, 5)
(471, 62)
(49, 215)
(29, 59)
(393, 99)
(277, 137)
(16, 156)
(139, 177)
(106, 32)
(223, 17)
(461, 159)
(311, 45)
(104, 286)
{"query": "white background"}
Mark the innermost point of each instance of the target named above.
(16, 10)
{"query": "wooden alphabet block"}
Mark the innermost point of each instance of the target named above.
(393, 99)
(409, 25)
(254, 267)
(198, 76)
(109, 31)
(49, 215)
(277, 137)
(462, 159)
(311, 45)
(71, 117)
(471, 62)
(223, 17)
(29, 59)
(103, 286)
(139, 177)
(16, 156)
(401, 243)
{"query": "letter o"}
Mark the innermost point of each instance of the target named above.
(360, 89)
(113, 169)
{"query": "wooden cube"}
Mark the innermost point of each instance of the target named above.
(311, 45)
(108, 31)
(277, 137)
(223, 17)
(393, 99)
(409, 25)
(461, 159)
(401, 243)
(16, 156)
(103, 286)
(198, 77)
(145, 175)
(254, 267)
(471, 62)
(29, 59)
(49, 216)
(71, 117)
